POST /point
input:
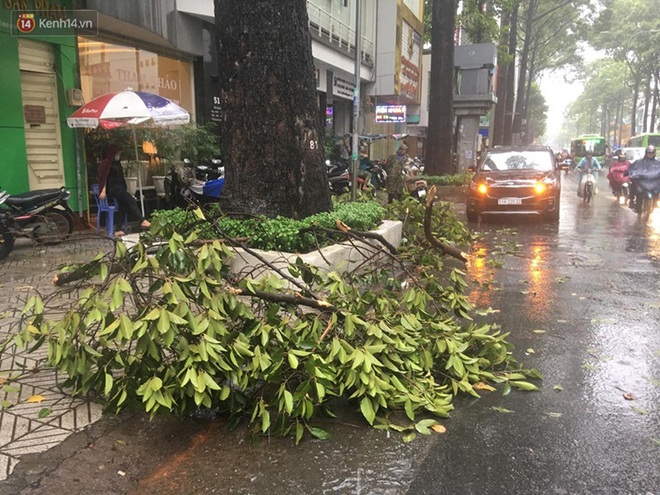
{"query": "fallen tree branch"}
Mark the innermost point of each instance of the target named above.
(353, 234)
(446, 249)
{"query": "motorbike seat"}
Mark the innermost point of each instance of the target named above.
(31, 199)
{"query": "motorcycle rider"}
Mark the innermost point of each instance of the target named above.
(645, 168)
(363, 172)
(394, 168)
(586, 163)
(616, 175)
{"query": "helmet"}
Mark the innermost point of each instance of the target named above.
(650, 150)
(589, 152)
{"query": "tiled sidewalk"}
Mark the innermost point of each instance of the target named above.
(27, 269)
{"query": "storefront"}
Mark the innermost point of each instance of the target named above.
(39, 74)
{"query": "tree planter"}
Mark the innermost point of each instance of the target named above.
(341, 257)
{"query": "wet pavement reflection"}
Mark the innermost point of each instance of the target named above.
(582, 303)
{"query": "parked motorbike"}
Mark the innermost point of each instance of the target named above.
(6, 237)
(212, 171)
(378, 175)
(183, 186)
(415, 185)
(339, 178)
(43, 215)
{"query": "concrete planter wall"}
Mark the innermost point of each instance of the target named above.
(340, 257)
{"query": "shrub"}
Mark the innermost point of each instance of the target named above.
(274, 234)
(449, 180)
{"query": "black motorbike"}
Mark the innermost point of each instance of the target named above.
(43, 215)
(339, 177)
(6, 238)
(378, 175)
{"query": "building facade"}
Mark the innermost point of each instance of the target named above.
(168, 47)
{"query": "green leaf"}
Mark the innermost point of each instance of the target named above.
(319, 433)
(424, 426)
(524, 385)
(108, 384)
(367, 409)
(44, 412)
(409, 437)
(300, 430)
(501, 409)
(293, 360)
(288, 401)
(265, 421)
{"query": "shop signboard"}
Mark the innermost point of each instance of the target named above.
(390, 113)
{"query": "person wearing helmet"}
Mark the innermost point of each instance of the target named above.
(586, 163)
(644, 174)
(616, 175)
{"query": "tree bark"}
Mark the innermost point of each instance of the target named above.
(633, 113)
(439, 152)
(654, 105)
(270, 132)
(522, 71)
(511, 77)
(502, 68)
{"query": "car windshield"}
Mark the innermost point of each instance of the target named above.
(519, 160)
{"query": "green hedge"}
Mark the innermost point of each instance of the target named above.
(279, 233)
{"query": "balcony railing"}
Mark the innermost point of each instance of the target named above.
(326, 26)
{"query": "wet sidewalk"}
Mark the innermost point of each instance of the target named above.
(35, 414)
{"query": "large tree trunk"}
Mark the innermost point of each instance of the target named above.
(439, 158)
(647, 103)
(502, 67)
(270, 133)
(522, 72)
(635, 100)
(654, 105)
(511, 77)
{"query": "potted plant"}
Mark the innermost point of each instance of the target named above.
(130, 174)
(198, 143)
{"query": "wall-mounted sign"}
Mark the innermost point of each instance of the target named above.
(390, 113)
(216, 111)
(342, 87)
(34, 114)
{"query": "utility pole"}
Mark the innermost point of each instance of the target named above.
(356, 99)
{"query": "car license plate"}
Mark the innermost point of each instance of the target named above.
(509, 201)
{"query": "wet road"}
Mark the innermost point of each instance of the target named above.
(581, 301)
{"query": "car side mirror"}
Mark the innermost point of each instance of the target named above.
(472, 169)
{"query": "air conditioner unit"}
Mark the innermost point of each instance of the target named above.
(74, 97)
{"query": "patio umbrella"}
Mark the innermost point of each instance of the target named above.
(131, 108)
